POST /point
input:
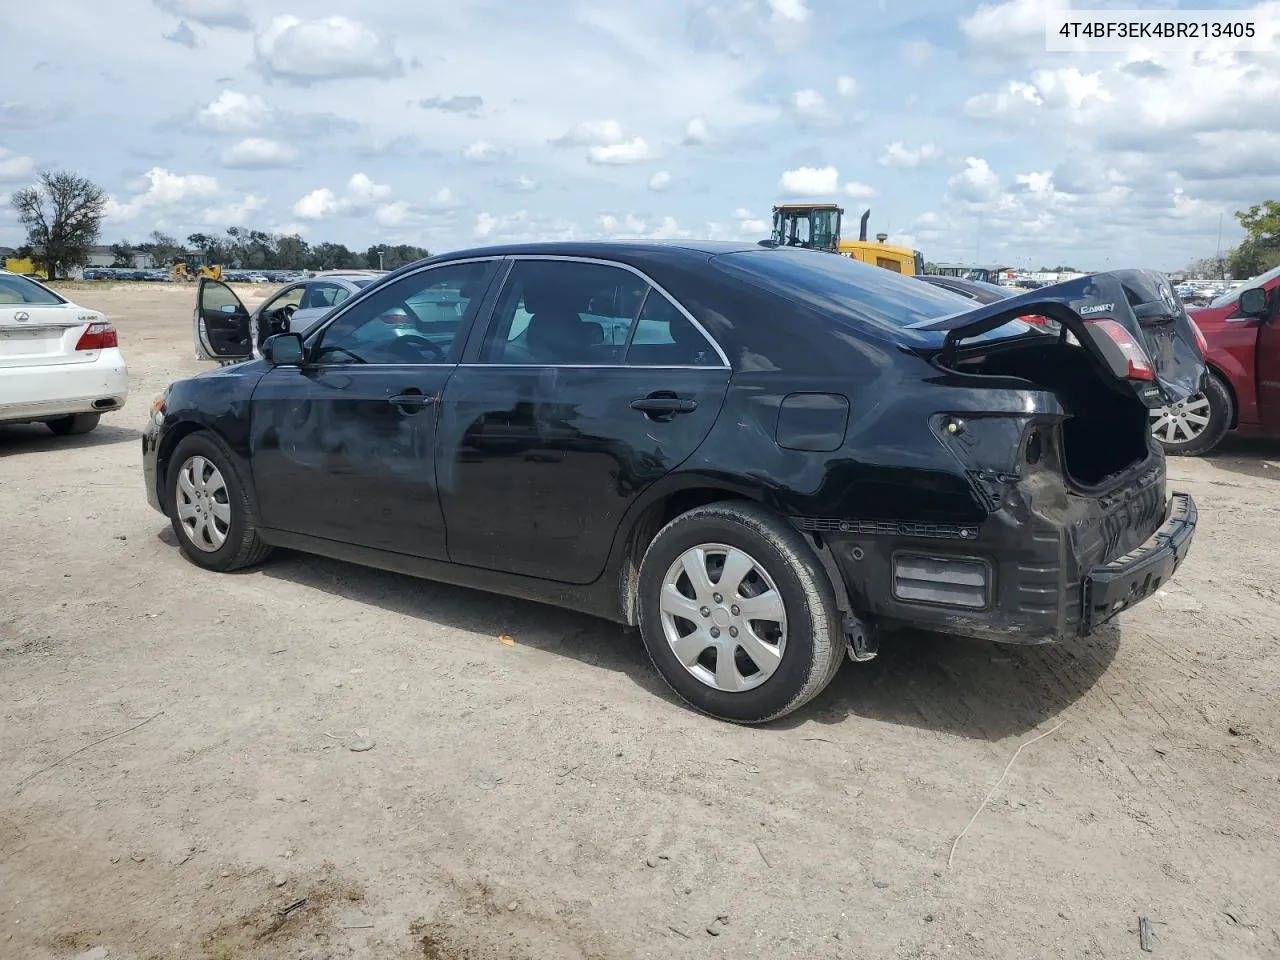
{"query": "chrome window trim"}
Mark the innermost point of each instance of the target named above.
(724, 359)
(356, 299)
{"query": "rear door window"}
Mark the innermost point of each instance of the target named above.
(665, 337)
(563, 312)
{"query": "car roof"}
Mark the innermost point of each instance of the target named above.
(609, 249)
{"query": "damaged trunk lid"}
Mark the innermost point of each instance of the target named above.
(1130, 320)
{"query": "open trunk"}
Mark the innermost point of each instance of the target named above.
(1106, 429)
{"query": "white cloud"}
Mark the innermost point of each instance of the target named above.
(14, 166)
(898, 155)
(696, 132)
(253, 153)
(976, 183)
(392, 214)
(302, 52)
(660, 181)
(859, 191)
(808, 103)
(362, 195)
(607, 142)
(317, 204)
(846, 86)
(235, 112)
(521, 184)
(810, 181)
(482, 151)
(1010, 28)
(632, 227)
(161, 192)
(232, 14)
(794, 11)
(629, 151)
(521, 227)
(592, 133)
(236, 213)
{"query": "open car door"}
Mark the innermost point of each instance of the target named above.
(1130, 318)
(221, 323)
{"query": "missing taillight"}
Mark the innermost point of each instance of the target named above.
(98, 336)
(1035, 448)
(1139, 364)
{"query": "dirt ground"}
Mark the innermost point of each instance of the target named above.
(548, 799)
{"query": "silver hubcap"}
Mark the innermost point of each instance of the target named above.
(1181, 422)
(723, 617)
(203, 507)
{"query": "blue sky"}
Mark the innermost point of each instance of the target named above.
(478, 122)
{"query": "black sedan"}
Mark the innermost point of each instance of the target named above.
(761, 457)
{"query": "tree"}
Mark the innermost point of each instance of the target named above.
(63, 218)
(164, 249)
(332, 256)
(122, 254)
(1260, 249)
(292, 252)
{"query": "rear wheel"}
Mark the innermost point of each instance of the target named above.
(210, 507)
(737, 614)
(1197, 424)
(74, 424)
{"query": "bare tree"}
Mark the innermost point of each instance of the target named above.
(63, 216)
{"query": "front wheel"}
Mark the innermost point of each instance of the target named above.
(737, 614)
(1196, 425)
(209, 507)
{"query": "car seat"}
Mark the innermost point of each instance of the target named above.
(556, 333)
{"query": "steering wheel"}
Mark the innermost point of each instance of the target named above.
(420, 343)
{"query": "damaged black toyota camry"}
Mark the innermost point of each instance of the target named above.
(763, 458)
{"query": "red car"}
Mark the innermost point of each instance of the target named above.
(1242, 346)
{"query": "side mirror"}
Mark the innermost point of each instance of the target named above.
(1253, 302)
(284, 350)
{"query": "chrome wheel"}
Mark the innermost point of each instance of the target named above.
(723, 616)
(202, 504)
(1181, 422)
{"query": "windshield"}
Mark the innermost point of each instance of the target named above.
(857, 294)
(1233, 294)
(362, 283)
(16, 289)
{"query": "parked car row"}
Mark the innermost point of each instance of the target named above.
(763, 458)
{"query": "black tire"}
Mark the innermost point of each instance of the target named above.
(814, 648)
(1221, 413)
(75, 424)
(242, 546)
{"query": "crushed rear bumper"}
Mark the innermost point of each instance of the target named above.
(1023, 576)
(1119, 584)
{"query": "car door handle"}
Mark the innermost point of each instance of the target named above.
(412, 400)
(663, 405)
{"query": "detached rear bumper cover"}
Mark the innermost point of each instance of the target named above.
(1115, 586)
(1050, 576)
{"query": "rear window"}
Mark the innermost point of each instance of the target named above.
(849, 291)
(16, 289)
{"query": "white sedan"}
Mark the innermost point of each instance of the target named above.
(60, 363)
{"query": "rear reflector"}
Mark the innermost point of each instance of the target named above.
(942, 580)
(98, 336)
(1139, 363)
